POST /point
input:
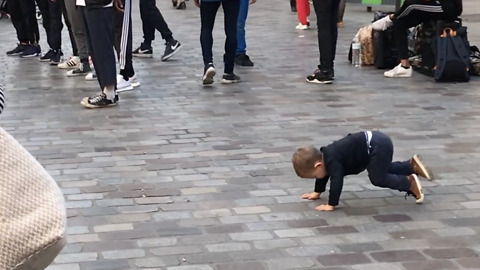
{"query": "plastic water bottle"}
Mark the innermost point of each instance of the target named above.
(356, 54)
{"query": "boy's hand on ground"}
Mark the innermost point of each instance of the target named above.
(311, 196)
(325, 207)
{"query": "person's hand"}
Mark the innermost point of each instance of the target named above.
(311, 196)
(117, 5)
(325, 207)
(253, 1)
(197, 3)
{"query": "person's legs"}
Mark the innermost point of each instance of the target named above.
(341, 12)
(44, 6)
(19, 23)
(99, 28)
(56, 24)
(412, 13)
(76, 17)
(242, 18)
(29, 15)
(155, 18)
(302, 11)
(123, 46)
(293, 5)
(146, 7)
(208, 12)
(380, 170)
(69, 26)
(326, 12)
(230, 9)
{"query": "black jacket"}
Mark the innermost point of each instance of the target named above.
(343, 157)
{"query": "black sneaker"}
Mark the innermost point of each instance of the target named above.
(243, 60)
(208, 73)
(46, 57)
(174, 3)
(99, 100)
(18, 50)
(320, 77)
(181, 5)
(171, 49)
(143, 51)
(82, 70)
(31, 51)
(230, 78)
(56, 58)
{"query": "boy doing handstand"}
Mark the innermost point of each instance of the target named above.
(370, 150)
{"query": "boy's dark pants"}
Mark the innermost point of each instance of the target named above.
(208, 11)
(327, 15)
(381, 170)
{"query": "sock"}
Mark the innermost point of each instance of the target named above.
(109, 91)
(405, 67)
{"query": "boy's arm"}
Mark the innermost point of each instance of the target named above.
(336, 185)
(320, 184)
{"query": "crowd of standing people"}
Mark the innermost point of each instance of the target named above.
(98, 28)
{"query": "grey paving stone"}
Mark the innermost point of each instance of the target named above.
(123, 254)
(241, 266)
(398, 256)
(434, 264)
(343, 259)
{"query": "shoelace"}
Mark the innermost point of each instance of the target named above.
(409, 193)
(97, 98)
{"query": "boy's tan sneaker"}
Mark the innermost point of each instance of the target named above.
(415, 188)
(419, 168)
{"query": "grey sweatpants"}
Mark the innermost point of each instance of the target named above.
(78, 28)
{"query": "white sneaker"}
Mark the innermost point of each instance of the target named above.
(134, 80)
(73, 62)
(398, 72)
(301, 26)
(122, 84)
(91, 76)
(382, 24)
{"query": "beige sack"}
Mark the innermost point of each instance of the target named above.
(32, 210)
(365, 38)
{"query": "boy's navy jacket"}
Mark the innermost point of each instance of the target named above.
(343, 157)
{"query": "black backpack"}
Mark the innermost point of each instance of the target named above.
(385, 52)
(452, 56)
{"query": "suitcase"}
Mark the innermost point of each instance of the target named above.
(385, 52)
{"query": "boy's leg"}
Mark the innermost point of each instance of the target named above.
(208, 11)
(379, 165)
(230, 8)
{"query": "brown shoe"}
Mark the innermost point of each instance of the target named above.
(415, 188)
(419, 168)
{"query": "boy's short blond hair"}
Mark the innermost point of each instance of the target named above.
(304, 160)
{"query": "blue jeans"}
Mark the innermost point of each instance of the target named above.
(242, 17)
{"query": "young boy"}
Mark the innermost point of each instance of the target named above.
(370, 150)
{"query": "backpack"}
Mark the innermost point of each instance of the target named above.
(452, 55)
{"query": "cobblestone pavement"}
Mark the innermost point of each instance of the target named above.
(180, 177)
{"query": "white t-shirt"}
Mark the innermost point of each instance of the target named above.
(82, 3)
